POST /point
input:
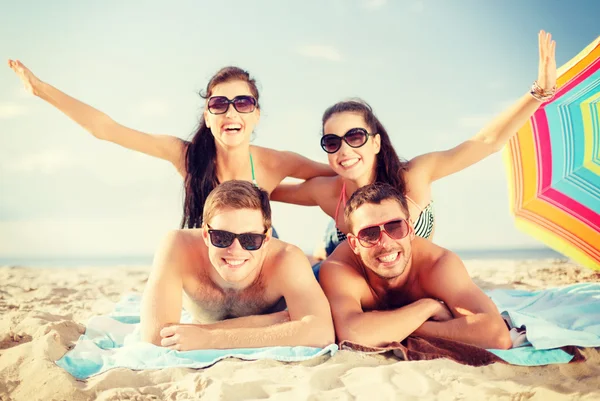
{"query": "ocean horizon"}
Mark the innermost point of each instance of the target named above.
(146, 260)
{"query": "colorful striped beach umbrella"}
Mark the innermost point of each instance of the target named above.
(553, 164)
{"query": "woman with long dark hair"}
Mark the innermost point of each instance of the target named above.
(360, 152)
(219, 150)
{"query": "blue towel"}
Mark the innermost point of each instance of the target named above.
(114, 342)
(553, 318)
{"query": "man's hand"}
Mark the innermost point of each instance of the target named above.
(442, 313)
(185, 337)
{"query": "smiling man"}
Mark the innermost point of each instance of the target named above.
(384, 283)
(235, 280)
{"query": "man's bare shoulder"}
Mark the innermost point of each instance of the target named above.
(285, 264)
(181, 245)
(183, 238)
(343, 254)
(433, 260)
(281, 251)
(342, 264)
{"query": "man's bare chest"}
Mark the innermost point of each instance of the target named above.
(208, 303)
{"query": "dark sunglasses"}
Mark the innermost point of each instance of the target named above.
(395, 229)
(355, 137)
(220, 104)
(224, 239)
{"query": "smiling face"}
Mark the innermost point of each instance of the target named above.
(234, 264)
(352, 163)
(232, 128)
(388, 258)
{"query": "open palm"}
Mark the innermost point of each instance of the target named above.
(29, 80)
(547, 68)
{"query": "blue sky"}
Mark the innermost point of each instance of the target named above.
(434, 71)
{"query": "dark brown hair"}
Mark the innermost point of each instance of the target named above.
(237, 194)
(389, 168)
(200, 156)
(374, 194)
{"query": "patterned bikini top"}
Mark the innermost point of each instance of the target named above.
(423, 226)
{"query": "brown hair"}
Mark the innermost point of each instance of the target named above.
(237, 194)
(389, 168)
(374, 194)
(201, 176)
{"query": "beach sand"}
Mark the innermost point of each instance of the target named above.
(43, 312)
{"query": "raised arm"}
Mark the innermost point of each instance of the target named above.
(493, 136)
(161, 301)
(304, 193)
(101, 125)
(297, 166)
(309, 316)
(476, 318)
(343, 287)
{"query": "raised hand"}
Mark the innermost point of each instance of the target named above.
(30, 81)
(547, 67)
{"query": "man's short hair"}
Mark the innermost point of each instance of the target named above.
(237, 194)
(374, 194)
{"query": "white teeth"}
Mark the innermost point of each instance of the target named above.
(349, 162)
(388, 258)
(232, 126)
(234, 262)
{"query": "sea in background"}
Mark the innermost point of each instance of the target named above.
(146, 260)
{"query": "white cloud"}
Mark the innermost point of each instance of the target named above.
(45, 162)
(320, 51)
(10, 110)
(374, 4)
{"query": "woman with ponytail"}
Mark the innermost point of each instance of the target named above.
(219, 150)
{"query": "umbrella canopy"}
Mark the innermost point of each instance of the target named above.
(553, 164)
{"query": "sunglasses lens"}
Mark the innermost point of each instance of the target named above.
(369, 236)
(397, 229)
(251, 242)
(221, 239)
(356, 137)
(244, 104)
(331, 143)
(218, 104)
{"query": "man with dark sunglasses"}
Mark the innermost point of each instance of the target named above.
(384, 283)
(235, 280)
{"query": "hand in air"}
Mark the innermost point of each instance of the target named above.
(29, 80)
(547, 67)
(184, 337)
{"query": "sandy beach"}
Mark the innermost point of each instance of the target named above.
(44, 311)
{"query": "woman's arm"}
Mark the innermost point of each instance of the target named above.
(306, 193)
(101, 125)
(494, 136)
(297, 166)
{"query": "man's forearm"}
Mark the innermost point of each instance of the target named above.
(310, 331)
(481, 330)
(253, 321)
(380, 328)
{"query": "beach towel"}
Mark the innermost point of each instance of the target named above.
(546, 326)
(114, 342)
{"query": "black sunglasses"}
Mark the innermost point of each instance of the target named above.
(224, 239)
(355, 137)
(220, 104)
(395, 229)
